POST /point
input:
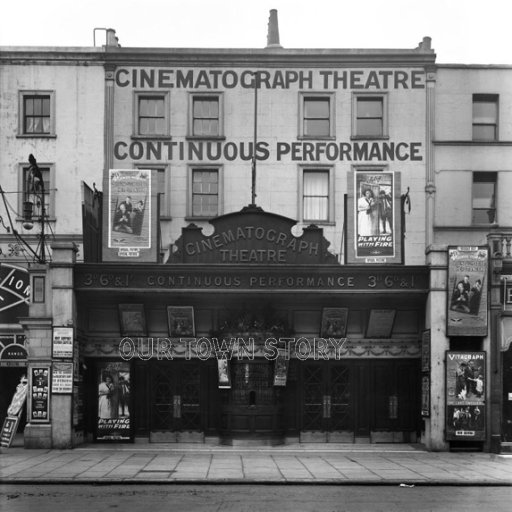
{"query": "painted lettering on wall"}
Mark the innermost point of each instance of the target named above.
(198, 151)
(165, 78)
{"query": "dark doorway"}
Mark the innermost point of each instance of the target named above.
(9, 378)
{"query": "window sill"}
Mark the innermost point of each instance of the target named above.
(308, 223)
(205, 137)
(36, 136)
(318, 137)
(472, 142)
(200, 219)
(151, 137)
(369, 137)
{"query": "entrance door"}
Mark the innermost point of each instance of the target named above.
(349, 400)
(252, 407)
(175, 399)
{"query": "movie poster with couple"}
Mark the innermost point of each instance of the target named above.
(114, 402)
(466, 386)
(374, 220)
(130, 216)
(467, 291)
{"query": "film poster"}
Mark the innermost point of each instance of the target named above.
(114, 404)
(39, 395)
(467, 291)
(465, 402)
(130, 216)
(374, 218)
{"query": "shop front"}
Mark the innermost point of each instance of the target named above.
(200, 350)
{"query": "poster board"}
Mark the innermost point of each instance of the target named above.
(132, 320)
(223, 373)
(334, 322)
(380, 323)
(9, 429)
(130, 216)
(62, 378)
(62, 342)
(181, 321)
(467, 300)
(466, 386)
(114, 404)
(39, 394)
(374, 220)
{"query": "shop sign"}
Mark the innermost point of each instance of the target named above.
(425, 396)
(467, 291)
(62, 378)
(12, 350)
(39, 402)
(9, 429)
(114, 405)
(374, 230)
(14, 293)
(62, 342)
(130, 216)
(466, 386)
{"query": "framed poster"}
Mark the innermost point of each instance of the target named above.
(425, 351)
(425, 396)
(130, 216)
(334, 322)
(62, 342)
(465, 401)
(374, 222)
(467, 291)
(280, 369)
(380, 323)
(62, 378)
(132, 320)
(39, 394)
(181, 321)
(114, 402)
(224, 374)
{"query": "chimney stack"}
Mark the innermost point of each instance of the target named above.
(273, 30)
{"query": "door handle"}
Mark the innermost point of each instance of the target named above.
(327, 406)
(176, 399)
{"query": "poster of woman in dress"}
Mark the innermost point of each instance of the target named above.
(467, 291)
(374, 215)
(113, 423)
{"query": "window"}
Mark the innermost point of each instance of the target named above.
(206, 116)
(484, 197)
(28, 196)
(161, 188)
(36, 114)
(317, 116)
(205, 192)
(316, 195)
(152, 115)
(369, 116)
(485, 117)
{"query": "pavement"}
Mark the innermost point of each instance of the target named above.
(349, 464)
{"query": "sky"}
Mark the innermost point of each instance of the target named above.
(462, 31)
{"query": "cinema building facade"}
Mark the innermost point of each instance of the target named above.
(263, 262)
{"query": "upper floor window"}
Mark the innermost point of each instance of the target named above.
(32, 193)
(204, 198)
(152, 114)
(484, 198)
(37, 118)
(317, 116)
(161, 188)
(485, 117)
(369, 118)
(315, 194)
(206, 116)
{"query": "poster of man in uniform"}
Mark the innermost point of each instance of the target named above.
(465, 403)
(114, 392)
(374, 221)
(467, 291)
(130, 216)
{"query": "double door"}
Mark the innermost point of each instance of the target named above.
(344, 400)
(175, 397)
